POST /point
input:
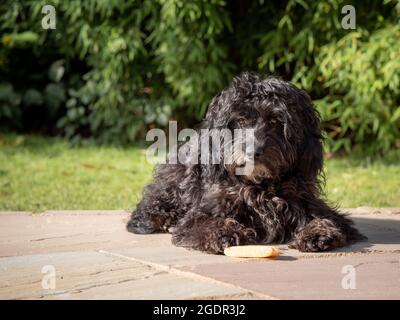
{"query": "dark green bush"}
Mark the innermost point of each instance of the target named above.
(112, 69)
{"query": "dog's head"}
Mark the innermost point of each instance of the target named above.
(286, 126)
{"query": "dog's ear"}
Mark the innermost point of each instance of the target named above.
(310, 162)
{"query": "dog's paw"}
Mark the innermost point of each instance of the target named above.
(228, 241)
(319, 235)
(140, 226)
(313, 243)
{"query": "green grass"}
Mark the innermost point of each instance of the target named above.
(361, 182)
(38, 173)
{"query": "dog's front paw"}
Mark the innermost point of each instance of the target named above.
(318, 235)
(247, 236)
(140, 225)
(229, 241)
(313, 243)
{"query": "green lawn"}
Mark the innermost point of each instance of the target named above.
(39, 173)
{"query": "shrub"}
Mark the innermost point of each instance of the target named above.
(111, 69)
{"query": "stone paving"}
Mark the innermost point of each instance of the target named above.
(92, 257)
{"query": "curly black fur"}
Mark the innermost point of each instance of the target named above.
(208, 207)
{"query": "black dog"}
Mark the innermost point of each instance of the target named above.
(209, 207)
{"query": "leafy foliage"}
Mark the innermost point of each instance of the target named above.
(112, 69)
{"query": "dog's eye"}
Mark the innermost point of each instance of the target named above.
(272, 121)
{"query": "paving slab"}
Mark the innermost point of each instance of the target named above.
(25, 233)
(383, 232)
(91, 275)
(376, 276)
(96, 258)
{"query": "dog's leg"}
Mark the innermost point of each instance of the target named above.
(326, 230)
(211, 234)
(156, 212)
(161, 205)
(145, 220)
(319, 235)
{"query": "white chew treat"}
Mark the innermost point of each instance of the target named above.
(251, 251)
